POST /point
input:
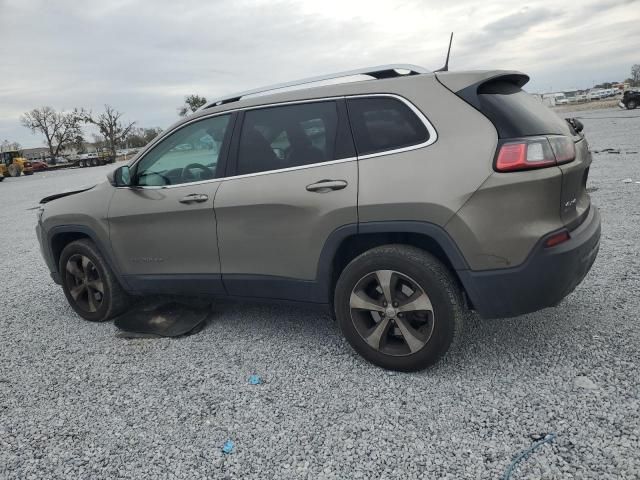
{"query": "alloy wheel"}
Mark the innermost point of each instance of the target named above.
(392, 312)
(84, 283)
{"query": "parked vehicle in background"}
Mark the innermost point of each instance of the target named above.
(630, 99)
(560, 98)
(38, 166)
(93, 159)
(397, 210)
(596, 94)
(12, 164)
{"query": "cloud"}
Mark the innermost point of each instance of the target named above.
(144, 56)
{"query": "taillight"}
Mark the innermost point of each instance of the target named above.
(534, 152)
(563, 148)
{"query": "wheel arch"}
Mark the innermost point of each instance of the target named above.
(61, 236)
(347, 242)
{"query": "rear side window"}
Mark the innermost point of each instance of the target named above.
(290, 136)
(383, 123)
(515, 113)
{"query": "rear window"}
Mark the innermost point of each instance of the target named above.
(382, 123)
(515, 113)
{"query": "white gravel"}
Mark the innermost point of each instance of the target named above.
(77, 402)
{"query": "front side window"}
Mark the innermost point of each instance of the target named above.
(384, 123)
(187, 155)
(288, 136)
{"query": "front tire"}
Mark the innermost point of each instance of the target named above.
(89, 284)
(631, 105)
(399, 307)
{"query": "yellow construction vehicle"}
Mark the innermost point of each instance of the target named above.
(12, 164)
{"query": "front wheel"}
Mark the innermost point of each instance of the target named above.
(399, 307)
(631, 105)
(90, 286)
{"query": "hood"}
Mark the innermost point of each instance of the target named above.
(65, 194)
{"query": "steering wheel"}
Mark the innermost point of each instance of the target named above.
(188, 176)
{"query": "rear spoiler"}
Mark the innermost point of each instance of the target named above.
(466, 84)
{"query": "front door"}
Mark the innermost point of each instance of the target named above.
(295, 181)
(163, 228)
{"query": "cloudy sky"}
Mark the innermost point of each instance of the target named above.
(144, 56)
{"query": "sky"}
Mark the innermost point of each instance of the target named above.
(143, 56)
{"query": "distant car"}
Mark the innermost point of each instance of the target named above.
(38, 166)
(630, 99)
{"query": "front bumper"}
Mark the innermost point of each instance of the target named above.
(543, 280)
(45, 251)
(621, 105)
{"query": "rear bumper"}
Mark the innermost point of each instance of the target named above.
(543, 280)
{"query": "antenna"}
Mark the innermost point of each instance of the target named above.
(446, 63)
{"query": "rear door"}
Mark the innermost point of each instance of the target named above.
(294, 180)
(163, 228)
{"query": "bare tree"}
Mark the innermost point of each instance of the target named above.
(111, 128)
(139, 137)
(191, 104)
(7, 146)
(635, 74)
(60, 129)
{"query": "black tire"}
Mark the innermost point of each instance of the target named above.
(81, 163)
(429, 275)
(109, 303)
(95, 162)
(631, 105)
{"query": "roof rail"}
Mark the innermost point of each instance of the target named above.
(379, 72)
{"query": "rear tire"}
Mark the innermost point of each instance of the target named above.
(89, 284)
(95, 162)
(423, 318)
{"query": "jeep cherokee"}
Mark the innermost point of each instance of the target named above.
(399, 198)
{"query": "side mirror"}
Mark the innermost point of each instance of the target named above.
(120, 177)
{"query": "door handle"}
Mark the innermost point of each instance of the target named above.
(324, 186)
(194, 198)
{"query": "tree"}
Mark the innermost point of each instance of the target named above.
(635, 75)
(8, 146)
(139, 137)
(111, 128)
(60, 129)
(191, 104)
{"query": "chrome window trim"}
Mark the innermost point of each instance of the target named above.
(433, 137)
(246, 175)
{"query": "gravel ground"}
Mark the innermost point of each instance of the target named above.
(77, 402)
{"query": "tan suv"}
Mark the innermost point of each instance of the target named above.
(396, 196)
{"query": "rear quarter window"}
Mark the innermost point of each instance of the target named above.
(381, 124)
(515, 113)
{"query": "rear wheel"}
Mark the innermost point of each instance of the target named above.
(399, 307)
(95, 162)
(90, 286)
